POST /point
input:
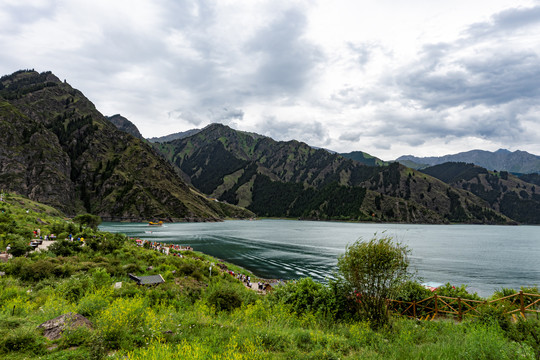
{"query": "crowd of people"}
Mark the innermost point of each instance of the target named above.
(167, 249)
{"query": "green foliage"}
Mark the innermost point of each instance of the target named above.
(18, 246)
(374, 270)
(89, 220)
(21, 339)
(194, 316)
(65, 247)
(456, 291)
(226, 297)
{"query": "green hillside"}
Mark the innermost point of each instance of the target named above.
(58, 149)
(505, 192)
(364, 158)
(197, 314)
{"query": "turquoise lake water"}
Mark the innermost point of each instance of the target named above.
(483, 257)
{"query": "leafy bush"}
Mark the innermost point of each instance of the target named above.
(65, 247)
(37, 271)
(528, 332)
(22, 339)
(307, 296)
(94, 303)
(223, 296)
(75, 287)
(18, 246)
(409, 292)
(374, 271)
(456, 291)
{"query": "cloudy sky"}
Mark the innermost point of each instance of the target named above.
(421, 77)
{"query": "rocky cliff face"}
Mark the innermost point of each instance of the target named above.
(60, 150)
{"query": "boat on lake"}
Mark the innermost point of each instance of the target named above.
(159, 223)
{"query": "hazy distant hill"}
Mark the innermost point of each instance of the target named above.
(125, 125)
(520, 162)
(506, 193)
(276, 178)
(56, 148)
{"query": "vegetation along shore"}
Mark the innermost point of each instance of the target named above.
(98, 311)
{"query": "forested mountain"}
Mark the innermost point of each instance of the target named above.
(56, 148)
(293, 179)
(518, 162)
(504, 192)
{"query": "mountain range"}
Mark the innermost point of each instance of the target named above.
(60, 150)
(57, 148)
(517, 162)
(292, 179)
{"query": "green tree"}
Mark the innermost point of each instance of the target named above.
(92, 221)
(18, 246)
(373, 271)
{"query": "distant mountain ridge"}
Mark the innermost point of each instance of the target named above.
(365, 158)
(56, 148)
(519, 162)
(292, 179)
(175, 136)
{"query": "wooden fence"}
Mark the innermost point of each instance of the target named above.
(427, 309)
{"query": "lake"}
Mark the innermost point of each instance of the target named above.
(483, 257)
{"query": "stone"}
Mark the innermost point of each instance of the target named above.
(53, 329)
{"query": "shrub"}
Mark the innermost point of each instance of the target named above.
(409, 292)
(120, 319)
(456, 291)
(65, 247)
(22, 339)
(374, 271)
(75, 287)
(306, 295)
(37, 271)
(18, 246)
(94, 303)
(224, 296)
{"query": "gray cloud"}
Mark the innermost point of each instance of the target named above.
(313, 132)
(287, 60)
(491, 80)
(223, 115)
(353, 136)
(506, 21)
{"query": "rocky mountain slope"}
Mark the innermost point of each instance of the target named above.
(519, 162)
(175, 136)
(293, 179)
(124, 125)
(56, 148)
(504, 192)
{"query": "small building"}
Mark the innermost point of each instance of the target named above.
(147, 280)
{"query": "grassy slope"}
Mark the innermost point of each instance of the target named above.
(181, 318)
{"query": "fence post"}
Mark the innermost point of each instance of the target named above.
(414, 308)
(436, 305)
(521, 304)
(460, 314)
